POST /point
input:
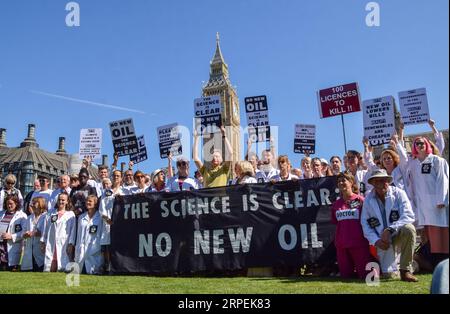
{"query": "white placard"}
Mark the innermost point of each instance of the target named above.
(207, 113)
(305, 138)
(379, 120)
(169, 140)
(414, 106)
(90, 143)
(3, 228)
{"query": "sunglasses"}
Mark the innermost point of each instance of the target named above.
(419, 143)
(10, 183)
(182, 163)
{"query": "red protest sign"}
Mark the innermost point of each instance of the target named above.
(339, 100)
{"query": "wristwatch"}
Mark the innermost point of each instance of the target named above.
(391, 230)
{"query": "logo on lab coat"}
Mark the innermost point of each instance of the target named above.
(426, 168)
(93, 229)
(394, 216)
(373, 222)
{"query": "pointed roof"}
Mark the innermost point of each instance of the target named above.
(218, 58)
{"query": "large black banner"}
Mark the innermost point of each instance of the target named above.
(253, 225)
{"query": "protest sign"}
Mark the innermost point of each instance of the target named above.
(90, 143)
(207, 113)
(257, 118)
(169, 140)
(338, 100)
(379, 120)
(305, 139)
(123, 137)
(414, 106)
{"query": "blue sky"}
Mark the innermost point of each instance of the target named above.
(152, 56)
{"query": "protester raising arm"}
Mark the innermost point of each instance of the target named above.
(368, 154)
(114, 164)
(197, 160)
(228, 148)
(438, 137)
(169, 166)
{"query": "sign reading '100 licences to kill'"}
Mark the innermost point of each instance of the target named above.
(339, 100)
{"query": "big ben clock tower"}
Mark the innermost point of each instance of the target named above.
(219, 84)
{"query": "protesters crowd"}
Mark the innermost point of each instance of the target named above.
(384, 204)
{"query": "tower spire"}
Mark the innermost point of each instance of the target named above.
(218, 58)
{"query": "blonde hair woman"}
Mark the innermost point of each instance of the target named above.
(244, 173)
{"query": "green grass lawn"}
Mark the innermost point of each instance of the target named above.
(56, 283)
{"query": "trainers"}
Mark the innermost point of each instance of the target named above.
(405, 275)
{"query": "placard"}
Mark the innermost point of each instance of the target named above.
(305, 139)
(207, 114)
(379, 120)
(142, 154)
(414, 106)
(123, 137)
(339, 100)
(90, 143)
(257, 118)
(169, 140)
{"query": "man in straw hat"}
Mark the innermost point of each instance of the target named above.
(387, 220)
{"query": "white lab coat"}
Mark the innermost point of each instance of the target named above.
(290, 177)
(57, 235)
(106, 208)
(396, 200)
(90, 238)
(32, 245)
(398, 213)
(361, 178)
(262, 177)
(188, 184)
(430, 189)
(245, 180)
(16, 228)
